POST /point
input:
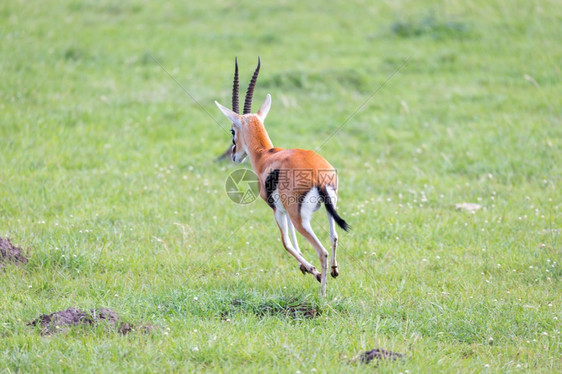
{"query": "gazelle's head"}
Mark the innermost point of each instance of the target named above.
(244, 124)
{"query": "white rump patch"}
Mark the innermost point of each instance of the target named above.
(310, 204)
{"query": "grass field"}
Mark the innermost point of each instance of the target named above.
(108, 181)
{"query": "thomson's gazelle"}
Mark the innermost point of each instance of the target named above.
(293, 182)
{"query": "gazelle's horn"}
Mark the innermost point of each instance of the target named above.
(235, 107)
(250, 91)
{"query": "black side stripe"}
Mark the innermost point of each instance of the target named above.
(271, 185)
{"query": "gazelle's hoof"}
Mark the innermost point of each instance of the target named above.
(303, 269)
(319, 277)
(335, 271)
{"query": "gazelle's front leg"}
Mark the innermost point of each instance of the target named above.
(283, 222)
(295, 242)
(306, 230)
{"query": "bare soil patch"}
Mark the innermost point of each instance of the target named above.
(10, 253)
(65, 319)
(294, 309)
(377, 354)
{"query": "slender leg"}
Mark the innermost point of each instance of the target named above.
(294, 241)
(282, 219)
(334, 241)
(306, 230)
(293, 233)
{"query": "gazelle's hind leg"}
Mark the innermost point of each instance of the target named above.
(308, 207)
(295, 242)
(333, 234)
(283, 223)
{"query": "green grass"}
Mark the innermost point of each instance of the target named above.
(107, 179)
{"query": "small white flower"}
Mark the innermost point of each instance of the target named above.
(195, 298)
(195, 349)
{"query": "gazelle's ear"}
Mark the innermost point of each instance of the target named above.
(264, 109)
(233, 117)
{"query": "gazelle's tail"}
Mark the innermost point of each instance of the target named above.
(329, 204)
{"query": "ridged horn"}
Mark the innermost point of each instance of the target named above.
(250, 91)
(235, 90)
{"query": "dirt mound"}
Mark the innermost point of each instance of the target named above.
(378, 354)
(64, 319)
(11, 253)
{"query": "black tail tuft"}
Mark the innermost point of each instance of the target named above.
(331, 210)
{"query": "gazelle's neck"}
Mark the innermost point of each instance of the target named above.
(257, 142)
